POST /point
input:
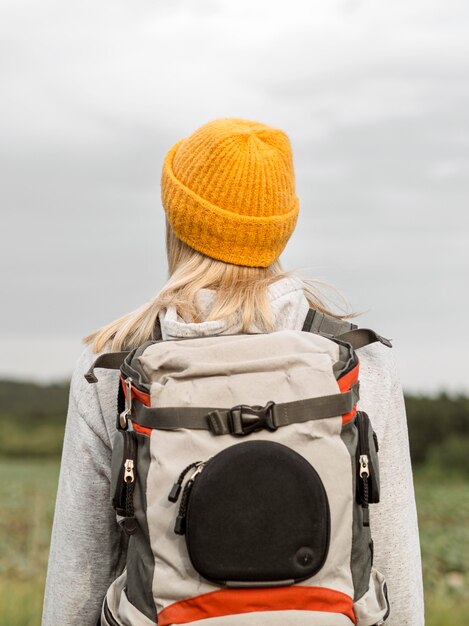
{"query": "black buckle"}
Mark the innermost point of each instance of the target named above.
(244, 419)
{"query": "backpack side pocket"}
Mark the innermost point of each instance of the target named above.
(373, 608)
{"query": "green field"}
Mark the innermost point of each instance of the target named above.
(443, 513)
(27, 491)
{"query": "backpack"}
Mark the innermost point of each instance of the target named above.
(242, 473)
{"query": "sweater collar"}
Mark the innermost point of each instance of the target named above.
(287, 300)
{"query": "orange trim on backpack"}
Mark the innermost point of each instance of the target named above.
(143, 397)
(345, 383)
(348, 417)
(142, 429)
(225, 602)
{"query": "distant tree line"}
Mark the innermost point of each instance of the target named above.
(32, 420)
(439, 432)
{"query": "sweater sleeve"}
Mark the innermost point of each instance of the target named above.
(393, 521)
(87, 545)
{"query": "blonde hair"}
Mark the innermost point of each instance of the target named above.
(238, 290)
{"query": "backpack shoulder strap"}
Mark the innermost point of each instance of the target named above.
(316, 322)
(108, 360)
(113, 360)
(322, 324)
(157, 335)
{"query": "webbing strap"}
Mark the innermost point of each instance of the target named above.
(360, 337)
(109, 360)
(309, 320)
(316, 322)
(114, 360)
(322, 324)
(243, 419)
(157, 335)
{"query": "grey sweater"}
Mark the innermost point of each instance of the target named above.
(88, 548)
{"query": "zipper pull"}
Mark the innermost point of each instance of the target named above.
(200, 467)
(364, 475)
(180, 525)
(176, 489)
(174, 493)
(129, 476)
(364, 469)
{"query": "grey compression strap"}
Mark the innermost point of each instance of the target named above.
(243, 419)
(109, 360)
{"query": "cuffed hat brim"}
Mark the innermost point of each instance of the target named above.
(228, 236)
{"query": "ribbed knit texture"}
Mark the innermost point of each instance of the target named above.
(229, 191)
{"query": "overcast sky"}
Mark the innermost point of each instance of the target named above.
(374, 96)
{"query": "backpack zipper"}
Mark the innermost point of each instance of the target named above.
(176, 489)
(123, 501)
(364, 465)
(198, 467)
(180, 525)
(364, 475)
(130, 457)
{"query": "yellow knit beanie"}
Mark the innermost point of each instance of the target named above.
(229, 191)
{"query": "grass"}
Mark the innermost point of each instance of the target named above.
(28, 488)
(27, 492)
(443, 512)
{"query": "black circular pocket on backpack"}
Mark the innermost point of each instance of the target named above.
(259, 513)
